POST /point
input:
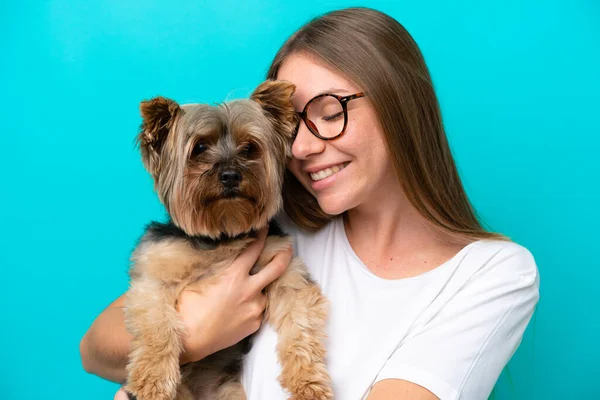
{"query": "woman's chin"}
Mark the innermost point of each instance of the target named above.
(332, 206)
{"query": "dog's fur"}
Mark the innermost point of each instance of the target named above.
(218, 170)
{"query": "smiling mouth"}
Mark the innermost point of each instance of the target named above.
(327, 172)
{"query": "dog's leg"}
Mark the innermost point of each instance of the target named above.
(297, 310)
(153, 369)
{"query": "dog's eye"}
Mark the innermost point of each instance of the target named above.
(198, 149)
(249, 150)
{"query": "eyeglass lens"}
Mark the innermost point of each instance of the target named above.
(326, 116)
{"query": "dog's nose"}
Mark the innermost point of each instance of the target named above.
(230, 178)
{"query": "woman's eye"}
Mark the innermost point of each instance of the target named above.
(333, 117)
(199, 148)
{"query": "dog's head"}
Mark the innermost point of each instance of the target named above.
(218, 170)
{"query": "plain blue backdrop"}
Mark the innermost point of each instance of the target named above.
(518, 83)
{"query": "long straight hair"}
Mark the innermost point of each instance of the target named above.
(375, 52)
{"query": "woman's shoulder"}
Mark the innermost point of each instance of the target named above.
(502, 257)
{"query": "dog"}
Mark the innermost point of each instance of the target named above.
(218, 170)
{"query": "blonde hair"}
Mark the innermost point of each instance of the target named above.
(374, 51)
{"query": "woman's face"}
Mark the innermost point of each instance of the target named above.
(365, 170)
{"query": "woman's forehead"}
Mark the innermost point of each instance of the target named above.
(312, 77)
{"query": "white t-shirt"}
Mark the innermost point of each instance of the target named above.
(451, 330)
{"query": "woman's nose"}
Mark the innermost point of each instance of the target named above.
(305, 143)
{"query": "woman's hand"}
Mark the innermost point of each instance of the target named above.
(222, 310)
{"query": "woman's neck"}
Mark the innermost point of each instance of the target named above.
(394, 240)
(396, 224)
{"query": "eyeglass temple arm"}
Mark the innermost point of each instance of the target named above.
(352, 97)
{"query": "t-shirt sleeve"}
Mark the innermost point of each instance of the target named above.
(460, 351)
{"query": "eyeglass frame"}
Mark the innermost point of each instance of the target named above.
(343, 101)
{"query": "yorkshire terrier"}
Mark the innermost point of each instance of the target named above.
(218, 170)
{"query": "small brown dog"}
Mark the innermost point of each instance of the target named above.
(218, 170)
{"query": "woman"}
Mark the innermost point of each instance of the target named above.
(425, 303)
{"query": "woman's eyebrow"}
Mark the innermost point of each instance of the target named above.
(332, 90)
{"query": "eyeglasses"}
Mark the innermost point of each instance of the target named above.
(326, 115)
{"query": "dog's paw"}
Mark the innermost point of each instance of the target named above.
(312, 391)
(147, 392)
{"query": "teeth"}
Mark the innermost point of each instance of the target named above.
(317, 176)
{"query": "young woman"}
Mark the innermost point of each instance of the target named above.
(425, 303)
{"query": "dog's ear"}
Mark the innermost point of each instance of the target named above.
(275, 98)
(158, 116)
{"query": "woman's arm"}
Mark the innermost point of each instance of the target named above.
(104, 348)
(399, 389)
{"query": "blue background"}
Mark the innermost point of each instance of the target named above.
(518, 83)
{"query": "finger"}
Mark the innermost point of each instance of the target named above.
(273, 270)
(262, 302)
(256, 308)
(248, 257)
